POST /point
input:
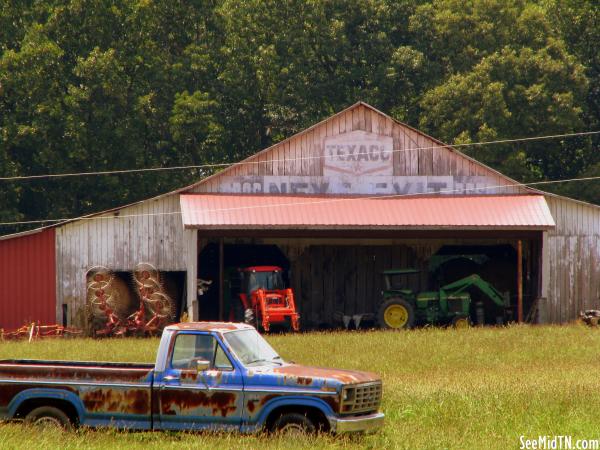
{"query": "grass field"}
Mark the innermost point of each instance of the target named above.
(475, 388)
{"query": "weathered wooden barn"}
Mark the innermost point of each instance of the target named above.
(334, 205)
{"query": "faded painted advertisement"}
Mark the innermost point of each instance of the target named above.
(358, 153)
(359, 162)
(372, 185)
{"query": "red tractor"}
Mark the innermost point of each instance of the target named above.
(265, 299)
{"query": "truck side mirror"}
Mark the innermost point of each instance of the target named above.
(200, 364)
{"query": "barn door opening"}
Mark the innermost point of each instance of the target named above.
(218, 263)
(496, 264)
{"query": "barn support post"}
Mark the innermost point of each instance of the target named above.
(545, 279)
(191, 241)
(221, 278)
(520, 281)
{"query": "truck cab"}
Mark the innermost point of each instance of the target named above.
(216, 376)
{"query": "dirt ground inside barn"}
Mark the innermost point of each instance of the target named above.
(443, 388)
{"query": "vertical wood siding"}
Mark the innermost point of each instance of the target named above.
(573, 258)
(301, 155)
(338, 277)
(118, 242)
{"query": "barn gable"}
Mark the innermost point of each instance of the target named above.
(359, 150)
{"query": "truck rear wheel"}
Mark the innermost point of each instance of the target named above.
(49, 416)
(293, 423)
(396, 313)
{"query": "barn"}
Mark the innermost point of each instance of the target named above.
(334, 205)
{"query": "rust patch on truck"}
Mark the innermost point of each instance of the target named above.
(24, 370)
(209, 326)
(191, 375)
(332, 401)
(307, 372)
(223, 403)
(306, 381)
(133, 401)
(9, 391)
(268, 397)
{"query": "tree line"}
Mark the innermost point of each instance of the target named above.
(92, 85)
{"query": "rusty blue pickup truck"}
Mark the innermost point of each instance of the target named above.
(207, 376)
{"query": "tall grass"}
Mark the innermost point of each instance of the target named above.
(476, 388)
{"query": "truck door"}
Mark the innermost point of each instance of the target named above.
(192, 399)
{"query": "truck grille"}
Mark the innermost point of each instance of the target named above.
(361, 398)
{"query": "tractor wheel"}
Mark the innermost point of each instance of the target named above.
(396, 313)
(286, 325)
(461, 322)
(249, 316)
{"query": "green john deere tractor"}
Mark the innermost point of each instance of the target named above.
(449, 305)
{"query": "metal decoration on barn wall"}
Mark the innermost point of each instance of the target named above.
(157, 309)
(100, 298)
(113, 311)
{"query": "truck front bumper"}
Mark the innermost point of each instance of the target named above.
(357, 423)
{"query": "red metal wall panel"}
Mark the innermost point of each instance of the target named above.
(28, 279)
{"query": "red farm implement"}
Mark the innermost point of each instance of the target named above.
(36, 331)
(111, 308)
(265, 299)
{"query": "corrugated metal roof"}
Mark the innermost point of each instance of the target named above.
(219, 211)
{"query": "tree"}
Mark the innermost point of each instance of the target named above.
(32, 118)
(515, 94)
(504, 71)
(94, 85)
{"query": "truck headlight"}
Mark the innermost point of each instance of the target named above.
(347, 394)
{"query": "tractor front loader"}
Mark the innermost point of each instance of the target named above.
(449, 305)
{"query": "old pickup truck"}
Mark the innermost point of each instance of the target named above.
(207, 375)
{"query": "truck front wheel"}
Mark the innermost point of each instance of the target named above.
(293, 423)
(396, 313)
(49, 416)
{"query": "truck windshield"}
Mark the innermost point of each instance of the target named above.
(251, 348)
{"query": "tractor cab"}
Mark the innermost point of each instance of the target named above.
(395, 276)
(268, 278)
(395, 281)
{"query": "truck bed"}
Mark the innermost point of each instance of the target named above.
(104, 390)
(75, 370)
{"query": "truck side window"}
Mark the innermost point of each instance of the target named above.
(192, 346)
(198, 346)
(221, 360)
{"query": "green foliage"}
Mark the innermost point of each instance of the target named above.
(91, 85)
(504, 95)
